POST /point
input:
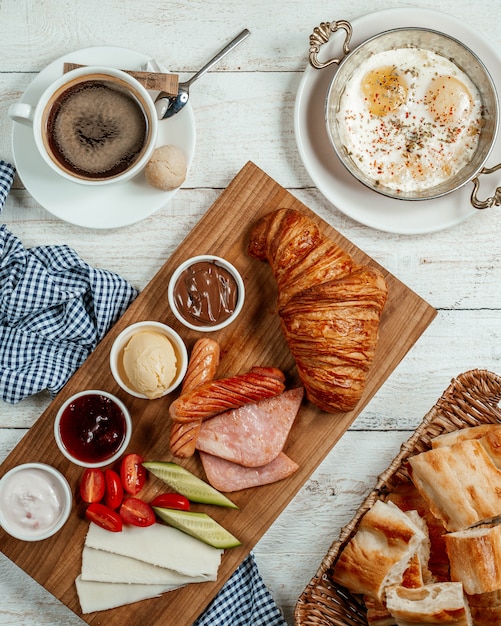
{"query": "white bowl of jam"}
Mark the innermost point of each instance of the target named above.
(206, 293)
(35, 501)
(93, 428)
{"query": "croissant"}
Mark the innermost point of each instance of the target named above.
(329, 306)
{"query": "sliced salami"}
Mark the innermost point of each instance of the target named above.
(227, 476)
(254, 434)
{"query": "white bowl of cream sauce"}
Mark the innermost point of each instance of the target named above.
(35, 501)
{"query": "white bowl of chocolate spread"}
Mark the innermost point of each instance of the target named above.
(206, 293)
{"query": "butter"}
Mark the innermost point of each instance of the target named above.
(150, 363)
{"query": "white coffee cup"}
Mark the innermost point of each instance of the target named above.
(94, 125)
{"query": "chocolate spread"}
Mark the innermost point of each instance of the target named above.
(205, 294)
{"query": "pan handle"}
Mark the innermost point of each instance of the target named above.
(321, 35)
(494, 200)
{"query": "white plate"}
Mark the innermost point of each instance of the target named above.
(108, 206)
(325, 169)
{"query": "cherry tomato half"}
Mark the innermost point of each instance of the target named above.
(104, 517)
(114, 491)
(171, 501)
(137, 512)
(92, 485)
(132, 473)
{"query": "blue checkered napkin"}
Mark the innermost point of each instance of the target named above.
(6, 178)
(54, 309)
(243, 601)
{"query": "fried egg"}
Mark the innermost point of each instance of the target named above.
(409, 119)
(384, 90)
(448, 100)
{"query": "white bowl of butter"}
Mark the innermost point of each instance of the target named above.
(35, 501)
(148, 360)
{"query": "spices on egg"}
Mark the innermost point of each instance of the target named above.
(414, 144)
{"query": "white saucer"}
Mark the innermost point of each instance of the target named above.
(327, 172)
(108, 206)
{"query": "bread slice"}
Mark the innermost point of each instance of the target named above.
(488, 434)
(377, 613)
(475, 558)
(438, 603)
(460, 483)
(379, 552)
(463, 434)
(486, 608)
(407, 498)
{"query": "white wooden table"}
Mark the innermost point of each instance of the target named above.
(244, 111)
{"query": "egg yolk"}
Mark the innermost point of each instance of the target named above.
(384, 90)
(448, 100)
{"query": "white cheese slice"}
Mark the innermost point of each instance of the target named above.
(98, 596)
(159, 545)
(107, 567)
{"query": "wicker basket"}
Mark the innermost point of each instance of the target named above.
(470, 400)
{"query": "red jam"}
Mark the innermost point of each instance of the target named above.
(92, 428)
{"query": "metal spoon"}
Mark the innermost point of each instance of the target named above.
(167, 106)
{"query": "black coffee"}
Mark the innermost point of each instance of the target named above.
(96, 129)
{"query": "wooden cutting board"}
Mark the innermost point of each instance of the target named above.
(254, 339)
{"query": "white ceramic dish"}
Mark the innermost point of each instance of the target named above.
(116, 355)
(330, 176)
(112, 458)
(118, 204)
(54, 484)
(217, 261)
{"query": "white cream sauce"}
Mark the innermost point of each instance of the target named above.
(31, 501)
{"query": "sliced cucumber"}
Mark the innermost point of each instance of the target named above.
(198, 525)
(187, 484)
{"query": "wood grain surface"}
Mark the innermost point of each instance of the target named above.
(254, 339)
